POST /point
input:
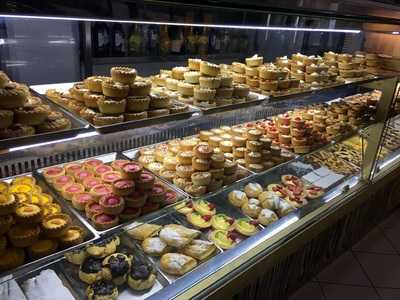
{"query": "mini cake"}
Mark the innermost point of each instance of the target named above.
(123, 75)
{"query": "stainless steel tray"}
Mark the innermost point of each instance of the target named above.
(78, 125)
(133, 154)
(107, 158)
(222, 108)
(90, 233)
(171, 217)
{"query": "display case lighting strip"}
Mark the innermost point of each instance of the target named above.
(182, 24)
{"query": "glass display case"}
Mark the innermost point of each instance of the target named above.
(171, 150)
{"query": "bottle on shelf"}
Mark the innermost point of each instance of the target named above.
(203, 41)
(135, 41)
(153, 41)
(243, 44)
(215, 41)
(165, 42)
(119, 47)
(176, 40)
(191, 41)
(225, 41)
(101, 41)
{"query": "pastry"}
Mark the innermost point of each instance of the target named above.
(123, 187)
(199, 249)
(251, 208)
(76, 257)
(111, 107)
(141, 277)
(194, 64)
(177, 236)
(103, 248)
(314, 192)
(102, 290)
(123, 75)
(23, 236)
(104, 120)
(114, 89)
(100, 190)
(12, 97)
(11, 259)
(159, 101)
(93, 83)
(8, 203)
(74, 235)
(222, 222)
(5, 223)
(237, 198)
(222, 239)
(204, 207)
(140, 88)
(177, 264)
(27, 213)
(116, 268)
(91, 270)
(198, 220)
(267, 216)
(245, 226)
(154, 246)
(53, 172)
(103, 221)
(131, 170)
(136, 199)
(157, 193)
(69, 190)
(80, 200)
(144, 231)
(204, 94)
(137, 104)
(42, 248)
(254, 61)
(145, 181)
(209, 69)
(252, 190)
(210, 82)
(55, 225)
(30, 115)
(129, 213)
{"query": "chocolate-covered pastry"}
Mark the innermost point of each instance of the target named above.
(141, 276)
(103, 248)
(102, 290)
(91, 270)
(116, 267)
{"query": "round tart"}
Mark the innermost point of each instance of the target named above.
(91, 270)
(5, 223)
(74, 235)
(61, 181)
(55, 225)
(90, 182)
(204, 207)
(209, 69)
(6, 118)
(129, 213)
(170, 197)
(149, 207)
(116, 267)
(222, 222)
(101, 169)
(8, 203)
(314, 192)
(112, 204)
(118, 164)
(100, 190)
(136, 199)
(12, 97)
(194, 64)
(112, 107)
(140, 88)
(137, 103)
(145, 181)
(27, 213)
(245, 226)
(77, 91)
(30, 115)
(104, 120)
(123, 187)
(80, 200)
(102, 290)
(11, 259)
(114, 89)
(92, 163)
(22, 236)
(111, 177)
(159, 101)
(198, 220)
(104, 221)
(71, 189)
(42, 248)
(53, 172)
(51, 125)
(141, 277)
(157, 193)
(93, 208)
(123, 75)
(201, 178)
(51, 209)
(131, 170)
(222, 239)
(81, 175)
(93, 83)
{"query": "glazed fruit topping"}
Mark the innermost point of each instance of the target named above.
(206, 218)
(83, 174)
(146, 177)
(157, 189)
(73, 188)
(103, 169)
(95, 207)
(85, 197)
(254, 222)
(124, 183)
(131, 167)
(211, 206)
(91, 182)
(233, 235)
(230, 221)
(54, 170)
(111, 200)
(94, 162)
(103, 218)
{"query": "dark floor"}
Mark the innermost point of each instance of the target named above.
(369, 271)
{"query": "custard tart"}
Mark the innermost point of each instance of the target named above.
(27, 213)
(42, 248)
(74, 235)
(5, 223)
(55, 225)
(8, 203)
(198, 220)
(11, 258)
(23, 236)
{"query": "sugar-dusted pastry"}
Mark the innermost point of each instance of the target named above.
(144, 231)
(199, 249)
(253, 189)
(246, 226)
(177, 264)
(252, 207)
(267, 216)
(154, 246)
(237, 198)
(269, 200)
(177, 236)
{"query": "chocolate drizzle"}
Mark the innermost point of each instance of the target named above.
(91, 265)
(118, 265)
(102, 288)
(141, 271)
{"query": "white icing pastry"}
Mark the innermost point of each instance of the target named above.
(253, 201)
(253, 189)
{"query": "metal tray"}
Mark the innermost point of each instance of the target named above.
(107, 158)
(192, 111)
(173, 218)
(90, 233)
(78, 125)
(222, 108)
(133, 154)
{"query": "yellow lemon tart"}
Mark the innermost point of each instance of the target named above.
(51, 209)
(245, 226)
(222, 239)
(222, 222)
(204, 207)
(198, 220)
(184, 208)
(29, 180)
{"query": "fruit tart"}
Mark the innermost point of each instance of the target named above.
(52, 173)
(246, 226)
(145, 181)
(314, 192)
(291, 180)
(55, 225)
(80, 200)
(129, 213)
(112, 204)
(62, 181)
(92, 163)
(198, 220)
(185, 207)
(70, 190)
(222, 239)
(204, 207)
(131, 170)
(222, 222)
(157, 193)
(136, 199)
(100, 190)
(123, 187)
(103, 221)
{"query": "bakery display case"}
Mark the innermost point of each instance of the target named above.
(180, 158)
